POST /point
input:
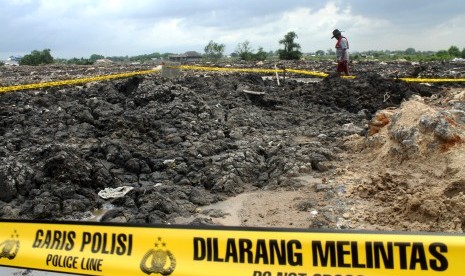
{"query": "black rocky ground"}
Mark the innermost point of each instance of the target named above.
(180, 143)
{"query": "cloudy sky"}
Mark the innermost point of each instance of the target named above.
(80, 28)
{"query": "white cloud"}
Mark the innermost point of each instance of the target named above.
(76, 28)
(448, 33)
(19, 2)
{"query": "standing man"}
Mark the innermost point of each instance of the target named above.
(342, 52)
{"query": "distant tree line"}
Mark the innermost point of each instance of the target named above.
(94, 57)
(244, 51)
(44, 57)
(412, 54)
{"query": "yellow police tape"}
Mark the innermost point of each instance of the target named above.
(230, 69)
(73, 81)
(115, 249)
(254, 70)
(431, 80)
(200, 68)
(304, 72)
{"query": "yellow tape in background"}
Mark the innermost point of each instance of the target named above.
(73, 81)
(105, 249)
(230, 69)
(200, 68)
(304, 72)
(431, 80)
(254, 70)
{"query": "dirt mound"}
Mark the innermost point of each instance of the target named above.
(369, 92)
(414, 179)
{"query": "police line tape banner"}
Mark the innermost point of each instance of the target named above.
(113, 249)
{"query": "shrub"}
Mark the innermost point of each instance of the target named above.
(443, 54)
(244, 50)
(37, 58)
(261, 55)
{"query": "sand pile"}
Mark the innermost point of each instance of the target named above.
(414, 178)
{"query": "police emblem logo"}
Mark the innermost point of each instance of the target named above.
(9, 248)
(158, 260)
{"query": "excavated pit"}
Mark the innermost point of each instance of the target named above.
(184, 143)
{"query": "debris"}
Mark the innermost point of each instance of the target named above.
(253, 92)
(114, 192)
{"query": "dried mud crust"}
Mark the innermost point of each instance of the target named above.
(187, 143)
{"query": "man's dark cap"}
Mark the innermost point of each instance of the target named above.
(335, 33)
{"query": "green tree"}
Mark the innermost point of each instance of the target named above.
(143, 58)
(95, 57)
(60, 60)
(378, 54)
(116, 58)
(454, 51)
(410, 51)
(81, 61)
(463, 53)
(320, 53)
(330, 52)
(214, 51)
(442, 54)
(355, 56)
(291, 49)
(244, 50)
(37, 58)
(261, 55)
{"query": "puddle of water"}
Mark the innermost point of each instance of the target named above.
(97, 214)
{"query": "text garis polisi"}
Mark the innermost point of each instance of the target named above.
(89, 242)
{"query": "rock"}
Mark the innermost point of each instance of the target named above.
(85, 116)
(200, 197)
(350, 128)
(379, 120)
(132, 165)
(15, 178)
(322, 187)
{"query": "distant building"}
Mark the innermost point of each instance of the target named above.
(103, 61)
(191, 56)
(15, 58)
